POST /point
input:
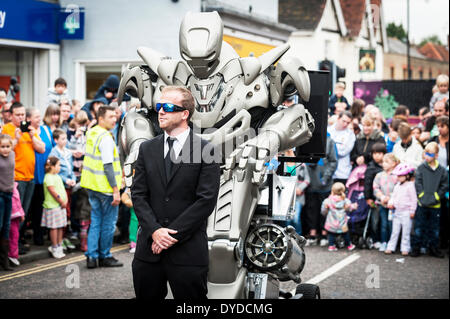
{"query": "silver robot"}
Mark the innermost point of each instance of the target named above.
(236, 104)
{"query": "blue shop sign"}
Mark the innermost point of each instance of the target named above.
(71, 23)
(38, 21)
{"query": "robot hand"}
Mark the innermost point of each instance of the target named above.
(252, 154)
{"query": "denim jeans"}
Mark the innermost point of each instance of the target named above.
(5, 214)
(103, 224)
(296, 221)
(426, 228)
(26, 190)
(332, 239)
(386, 225)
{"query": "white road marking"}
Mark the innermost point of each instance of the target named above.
(332, 270)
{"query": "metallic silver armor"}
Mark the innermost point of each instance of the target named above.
(244, 245)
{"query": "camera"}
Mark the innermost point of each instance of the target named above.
(24, 126)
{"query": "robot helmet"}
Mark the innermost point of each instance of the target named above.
(201, 42)
(403, 169)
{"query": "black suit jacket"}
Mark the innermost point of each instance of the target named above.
(182, 203)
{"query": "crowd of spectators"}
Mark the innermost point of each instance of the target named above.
(41, 164)
(386, 176)
(386, 160)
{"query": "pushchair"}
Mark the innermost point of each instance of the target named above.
(359, 219)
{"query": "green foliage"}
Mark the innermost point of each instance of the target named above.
(396, 31)
(386, 103)
(434, 39)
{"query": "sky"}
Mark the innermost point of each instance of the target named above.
(427, 17)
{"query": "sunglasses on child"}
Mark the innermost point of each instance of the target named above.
(169, 107)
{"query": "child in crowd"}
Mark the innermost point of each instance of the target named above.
(416, 132)
(59, 92)
(373, 168)
(442, 93)
(64, 155)
(404, 203)
(76, 136)
(82, 214)
(431, 184)
(17, 217)
(134, 224)
(7, 165)
(54, 216)
(383, 186)
(335, 209)
(338, 97)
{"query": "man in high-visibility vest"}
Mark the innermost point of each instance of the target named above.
(102, 177)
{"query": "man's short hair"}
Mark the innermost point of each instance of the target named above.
(379, 148)
(14, 106)
(346, 113)
(187, 100)
(60, 81)
(401, 110)
(397, 121)
(103, 109)
(442, 120)
(404, 130)
(29, 111)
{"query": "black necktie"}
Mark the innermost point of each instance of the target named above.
(169, 156)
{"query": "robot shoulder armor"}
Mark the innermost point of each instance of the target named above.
(251, 67)
(173, 72)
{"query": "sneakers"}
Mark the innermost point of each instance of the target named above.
(91, 263)
(66, 244)
(311, 242)
(109, 262)
(383, 247)
(351, 247)
(332, 248)
(56, 252)
(14, 261)
(377, 245)
(323, 242)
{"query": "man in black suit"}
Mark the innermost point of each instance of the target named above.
(174, 191)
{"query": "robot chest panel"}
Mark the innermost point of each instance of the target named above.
(207, 92)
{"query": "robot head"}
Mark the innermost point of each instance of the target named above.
(201, 42)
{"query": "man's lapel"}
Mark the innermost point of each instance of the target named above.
(160, 159)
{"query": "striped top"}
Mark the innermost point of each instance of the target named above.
(383, 185)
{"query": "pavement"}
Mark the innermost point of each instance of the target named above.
(37, 253)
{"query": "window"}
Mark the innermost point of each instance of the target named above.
(96, 76)
(392, 73)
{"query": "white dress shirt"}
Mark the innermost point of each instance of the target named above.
(180, 139)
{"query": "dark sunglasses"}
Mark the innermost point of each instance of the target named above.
(169, 107)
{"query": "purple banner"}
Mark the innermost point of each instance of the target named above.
(367, 91)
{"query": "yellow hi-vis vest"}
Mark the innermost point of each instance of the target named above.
(93, 175)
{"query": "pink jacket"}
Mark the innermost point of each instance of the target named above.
(404, 197)
(17, 210)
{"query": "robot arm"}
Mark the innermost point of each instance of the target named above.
(285, 129)
(135, 129)
(136, 82)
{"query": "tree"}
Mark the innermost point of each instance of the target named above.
(396, 31)
(432, 38)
